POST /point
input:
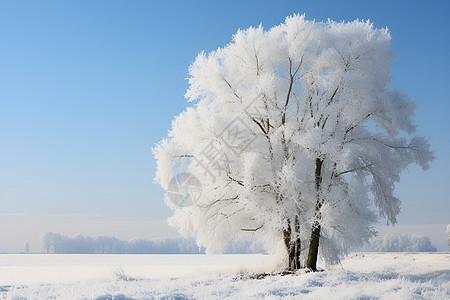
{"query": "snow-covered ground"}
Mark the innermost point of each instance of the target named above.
(360, 276)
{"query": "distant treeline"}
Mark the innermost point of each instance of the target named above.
(391, 242)
(57, 243)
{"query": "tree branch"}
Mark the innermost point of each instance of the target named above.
(353, 170)
(233, 90)
(235, 180)
(252, 229)
(291, 82)
(354, 126)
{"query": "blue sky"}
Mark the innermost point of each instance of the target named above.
(87, 88)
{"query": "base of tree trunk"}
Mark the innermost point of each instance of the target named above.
(281, 273)
(293, 244)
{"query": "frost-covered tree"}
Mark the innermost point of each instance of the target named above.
(448, 234)
(47, 240)
(293, 135)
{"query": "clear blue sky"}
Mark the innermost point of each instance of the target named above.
(88, 87)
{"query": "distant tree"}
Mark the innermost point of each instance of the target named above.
(292, 135)
(46, 241)
(448, 234)
(26, 247)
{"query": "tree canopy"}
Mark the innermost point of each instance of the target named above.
(295, 136)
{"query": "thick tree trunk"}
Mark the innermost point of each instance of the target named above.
(293, 244)
(311, 262)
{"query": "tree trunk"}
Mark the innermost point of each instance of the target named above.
(293, 243)
(311, 262)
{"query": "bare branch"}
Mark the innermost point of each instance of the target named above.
(354, 126)
(291, 82)
(232, 89)
(332, 96)
(218, 201)
(235, 180)
(259, 125)
(252, 229)
(353, 170)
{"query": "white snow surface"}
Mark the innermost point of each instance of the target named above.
(360, 276)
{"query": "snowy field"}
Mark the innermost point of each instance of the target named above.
(360, 276)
